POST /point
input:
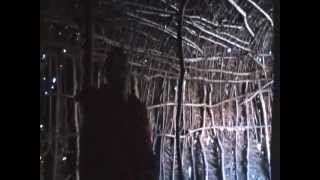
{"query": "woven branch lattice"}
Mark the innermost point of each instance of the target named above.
(227, 91)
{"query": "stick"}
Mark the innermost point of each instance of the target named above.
(227, 128)
(214, 24)
(203, 79)
(265, 118)
(175, 125)
(262, 11)
(168, 30)
(202, 105)
(244, 14)
(222, 157)
(235, 89)
(248, 142)
(76, 122)
(202, 134)
(218, 36)
(182, 72)
(257, 92)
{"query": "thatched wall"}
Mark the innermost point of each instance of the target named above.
(227, 91)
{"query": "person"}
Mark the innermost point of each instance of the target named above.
(115, 142)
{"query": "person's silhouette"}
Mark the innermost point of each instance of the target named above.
(115, 142)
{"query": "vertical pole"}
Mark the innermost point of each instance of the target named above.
(175, 141)
(267, 133)
(76, 119)
(236, 132)
(248, 141)
(202, 135)
(182, 71)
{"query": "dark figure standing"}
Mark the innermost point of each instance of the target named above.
(115, 142)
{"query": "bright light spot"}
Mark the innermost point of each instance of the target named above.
(43, 56)
(46, 92)
(64, 158)
(259, 59)
(54, 79)
(44, 78)
(189, 171)
(64, 50)
(41, 126)
(259, 146)
(60, 33)
(145, 60)
(175, 88)
(229, 50)
(52, 87)
(270, 52)
(40, 158)
(61, 66)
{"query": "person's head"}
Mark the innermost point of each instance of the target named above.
(117, 68)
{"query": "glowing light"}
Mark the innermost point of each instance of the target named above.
(54, 79)
(270, 52)
(40, 158)
(52, 87)
(259, 59)
(175, 88)
(189, 171)
(64, 50)
(44, 78)
(61, 66)
(259, 146)
(43, 56)
(229, 50)
(60, 33)
(46, 93)
(64, 158)
(41, 126)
